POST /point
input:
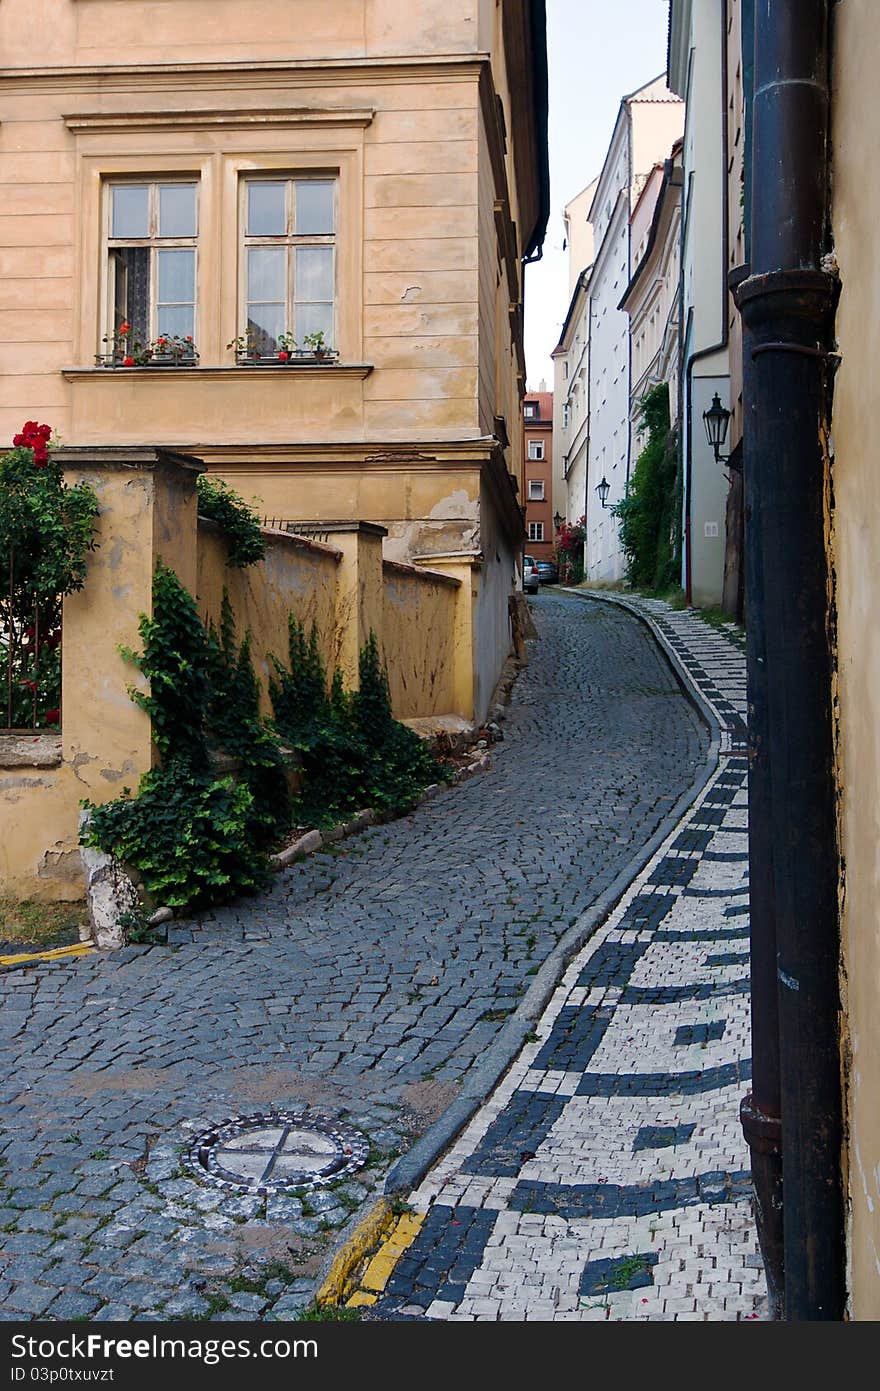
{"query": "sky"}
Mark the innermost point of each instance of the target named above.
(597, 53)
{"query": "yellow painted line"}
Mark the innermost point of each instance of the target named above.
(58, 954)
(381, 1264)
(375, 1277)
(367, 1235)
(359, 1298)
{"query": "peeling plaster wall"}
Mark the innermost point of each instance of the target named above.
(295, 577)
(856, 213)
(418, 635)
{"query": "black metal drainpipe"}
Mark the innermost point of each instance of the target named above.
(788, 304)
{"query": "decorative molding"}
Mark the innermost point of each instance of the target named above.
(312, 369)
(106, 121)
(282, 75)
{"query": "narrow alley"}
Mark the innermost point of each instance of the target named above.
(365, 989)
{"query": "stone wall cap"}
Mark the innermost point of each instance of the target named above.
(126, 456)
(421, 572)
(23, 750)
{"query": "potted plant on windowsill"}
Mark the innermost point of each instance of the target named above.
(246, 347)
(125, 350)
(317, 348)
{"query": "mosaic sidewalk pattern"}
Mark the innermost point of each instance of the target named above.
(607, 1177)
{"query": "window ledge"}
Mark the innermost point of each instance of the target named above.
(23, 750)
(287, 369)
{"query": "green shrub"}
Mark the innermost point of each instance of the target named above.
(234, 724)
(189, 836)
(649, 515)
(46, 534)
(353, 752)
(221, 504)
(194, 838)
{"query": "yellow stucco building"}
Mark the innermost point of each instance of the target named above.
(236, 177)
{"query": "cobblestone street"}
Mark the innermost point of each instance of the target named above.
(607, 1177)
(363, 988)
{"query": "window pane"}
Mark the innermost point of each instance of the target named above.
(265, 323)
(177, 210)
(310, 318)
(314, 207)
(177, 277)
(266, 210)
(174, 319)
(131, 211)
(131, 285)
(314, 273)
(267, 273)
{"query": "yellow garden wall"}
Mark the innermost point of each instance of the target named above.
(147, 512)
(856, 207)
(297, 576)
(418, 640)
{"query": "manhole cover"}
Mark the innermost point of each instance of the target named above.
(277, 1153)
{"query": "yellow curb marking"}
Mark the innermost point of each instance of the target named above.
(376, 1275)
(58, 954)
(367, 1234)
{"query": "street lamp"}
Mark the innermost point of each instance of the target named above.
(603, 490)
(716, 420)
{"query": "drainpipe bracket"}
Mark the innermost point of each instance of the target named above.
(763, 1133)
(800, 301)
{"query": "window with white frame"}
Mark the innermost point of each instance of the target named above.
(152, 239)
(530, 410)
(536, 490)
(289, 263)
(536, 531)
(536, 449)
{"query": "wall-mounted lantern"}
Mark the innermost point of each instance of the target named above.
(716, 420)
(603, 489)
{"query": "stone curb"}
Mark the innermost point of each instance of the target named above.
(362, 1234)
(412, 1167)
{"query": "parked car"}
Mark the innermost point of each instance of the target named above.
(547, 571)
(531, 575)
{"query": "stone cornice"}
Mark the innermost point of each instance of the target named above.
(189, 77)
(390, 455)
(105, 121)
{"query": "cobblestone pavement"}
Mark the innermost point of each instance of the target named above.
(362, 987)
(607, 1177)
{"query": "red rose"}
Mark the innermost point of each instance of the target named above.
(128, 362)
(282, 356)
(52, 716)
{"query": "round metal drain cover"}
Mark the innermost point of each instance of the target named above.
(278, 1152)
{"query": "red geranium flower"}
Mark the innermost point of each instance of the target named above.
(52, 716)
(282, 356)
(128, 362)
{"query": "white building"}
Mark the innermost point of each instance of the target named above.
(652, 299)
(571, 358)
(696, 71)
(648, 122)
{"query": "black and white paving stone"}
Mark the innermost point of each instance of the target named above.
(608, 1177)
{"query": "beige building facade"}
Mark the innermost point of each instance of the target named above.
(233, 179)
(856, 548)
